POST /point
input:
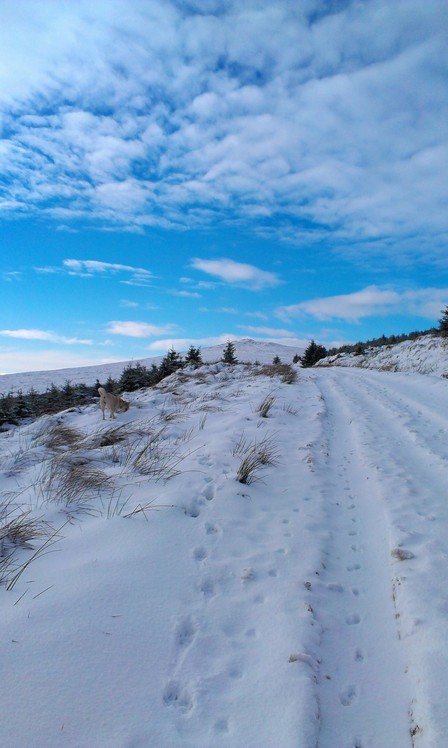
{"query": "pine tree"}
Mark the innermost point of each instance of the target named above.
(276, 360)
(21, 408)
(228, 354)
(68, 394)
(133, 377)
(171, 363)
(313, 354)
(443, 323)
(193, 357)
(111, 385)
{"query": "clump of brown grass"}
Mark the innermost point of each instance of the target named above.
(18, 530)
(401, 554)
(265, 406)
(255, 456)
(286, 372)
(70, 482)
(61, 436)
(110, 436)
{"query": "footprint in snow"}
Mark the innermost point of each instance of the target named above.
(247, 574)
(348, 695)
(193, 509)
(199, 553)
(335, 587)
(211, 529)
(175, 695)
(185, 632)
(209, 492)
(353, 567)
(221, 725)
(353, 619)
(207, 587)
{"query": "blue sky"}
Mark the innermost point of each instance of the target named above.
(177, 172)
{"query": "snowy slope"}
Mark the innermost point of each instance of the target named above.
(425, 355)
(179, 607)
(245, 350)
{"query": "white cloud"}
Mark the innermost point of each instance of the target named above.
(92, 267)
(30, 334)
(187, 294)
(237, 273)
(12, 275)
(370, 301)
(13, 361)
(133, 276)
(300, 119)
(270, 331)
(137, 329)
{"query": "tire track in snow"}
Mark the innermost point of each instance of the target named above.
(363, 690)
(405, 438)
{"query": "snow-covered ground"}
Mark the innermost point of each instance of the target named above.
(179, 607)
(427, 354)
(246, 349)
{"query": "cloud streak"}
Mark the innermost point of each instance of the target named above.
(43, 335)
(137, 329)
(237, 273)
(369, 302)
(96, 268)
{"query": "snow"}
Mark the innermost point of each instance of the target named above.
(246, 349)
(427, 354)
(177, 606)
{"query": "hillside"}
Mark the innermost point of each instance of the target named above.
(245, 349)
(425, 355)
(234, 561)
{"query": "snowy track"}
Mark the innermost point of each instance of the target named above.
(384, 475)
(364, 694)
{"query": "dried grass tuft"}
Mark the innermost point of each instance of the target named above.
(254, 457)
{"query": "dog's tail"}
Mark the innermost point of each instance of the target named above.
(101, 391)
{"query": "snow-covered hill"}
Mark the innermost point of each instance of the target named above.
(425, 355)
(245, 350)
(233, 562)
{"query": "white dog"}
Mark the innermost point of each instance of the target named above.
(113, 402)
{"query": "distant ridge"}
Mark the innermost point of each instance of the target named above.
(246, 349)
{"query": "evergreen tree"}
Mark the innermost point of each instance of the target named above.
(6, 409)
(34, 402)
(111, 385)
(193, 357)
(276, 360)
(53, 399)
(133, 377)
(296, 358)
(21, 407)
(228, 354)
(443, 323)
(171, 363)
(312, 354)
(68, 394)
